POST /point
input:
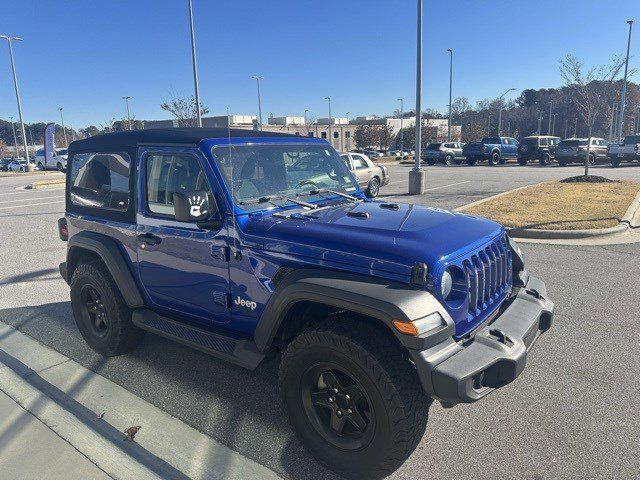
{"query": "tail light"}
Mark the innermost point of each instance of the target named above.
(63, 229)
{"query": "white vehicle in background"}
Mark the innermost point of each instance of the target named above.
(628, 150)
(58, 160)
(448, 153)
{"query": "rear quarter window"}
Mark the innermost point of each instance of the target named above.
(100, 181)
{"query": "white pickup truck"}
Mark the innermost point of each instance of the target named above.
(58, 160)
(628, 150)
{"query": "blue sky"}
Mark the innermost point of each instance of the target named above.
(86, 55)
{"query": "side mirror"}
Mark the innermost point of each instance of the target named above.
(195, 207)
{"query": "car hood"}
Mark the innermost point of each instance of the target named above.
(377, 236)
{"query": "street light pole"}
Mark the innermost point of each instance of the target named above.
(624, 86)
(195, 66)
(305, 115)
(329, 134)
(575, 128)
(401, 127)
(15, 85)
(613, 122)
(15, 139)
(126, 101)
(500, 110)
(566, 127)
(258, 78)
(550, 108)
(416, 176)
(64, 132)
(450, 91)
(540, 124)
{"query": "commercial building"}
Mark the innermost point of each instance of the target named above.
(339, 131)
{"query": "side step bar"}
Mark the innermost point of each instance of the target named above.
(240, 352)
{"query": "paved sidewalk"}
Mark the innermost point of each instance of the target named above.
(63, 421)
(31, 450)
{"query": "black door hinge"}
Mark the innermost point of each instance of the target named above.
(221, 253)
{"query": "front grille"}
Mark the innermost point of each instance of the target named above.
(488, 272)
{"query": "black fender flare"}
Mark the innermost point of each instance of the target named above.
(382, 299)
(111, 254)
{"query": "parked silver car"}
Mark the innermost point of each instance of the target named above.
(370, 176)
(448, 153)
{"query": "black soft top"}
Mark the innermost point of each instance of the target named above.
(130, 138)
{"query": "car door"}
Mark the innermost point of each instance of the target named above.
(361, 169)
(182, 268)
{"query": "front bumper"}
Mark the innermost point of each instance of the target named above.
(467, 370)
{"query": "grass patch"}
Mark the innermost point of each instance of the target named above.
(561, 206)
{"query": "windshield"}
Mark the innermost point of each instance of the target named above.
(433, 146)
(491, 140)
(274, 170)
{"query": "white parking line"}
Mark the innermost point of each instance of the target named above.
(31, 205)
(30, 199)
(446, 186)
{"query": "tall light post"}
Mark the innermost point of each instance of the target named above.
(499, 110)
(64, 132)
(575, 128)
(126, 101)
(450, 91)
(540, 124)
(416, 175)
(624, 86)
(329, 133)
(550, 108)
(257, 79)
(10, 40)
(566, 127)
(613, 122)
(195, 66)
(15, 139)
(636, 124)
(401, 100)
(306, 110)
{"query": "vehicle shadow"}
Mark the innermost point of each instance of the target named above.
(239, 408)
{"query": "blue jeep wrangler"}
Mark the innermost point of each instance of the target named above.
(244, 244)
(496, 150)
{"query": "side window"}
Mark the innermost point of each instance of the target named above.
(100, 180)
(359, 162)
(543, 142)
(167, 174)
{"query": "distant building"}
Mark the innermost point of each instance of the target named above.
(340, 133)
(286, 121)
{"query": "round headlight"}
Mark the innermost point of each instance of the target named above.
(446, 284)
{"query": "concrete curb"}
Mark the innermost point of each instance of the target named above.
(631, 218)
(91, 413)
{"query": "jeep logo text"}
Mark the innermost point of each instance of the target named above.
(245, 303)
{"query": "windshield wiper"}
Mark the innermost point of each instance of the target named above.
(270, 198)
(320, 191)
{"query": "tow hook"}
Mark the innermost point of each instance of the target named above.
(534, 293)
(500, 337)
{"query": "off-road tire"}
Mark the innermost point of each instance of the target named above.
(373, 189)
(400, 408)
(40, 166)
(494, 159)
(448, 160)
(121, 335)
(615, 161)
(471, 161)
(562, 162)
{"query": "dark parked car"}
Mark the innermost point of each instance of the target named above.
(575, 150)
(537, 147)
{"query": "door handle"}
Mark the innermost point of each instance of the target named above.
(148, 239)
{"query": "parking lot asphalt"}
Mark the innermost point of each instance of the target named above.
(572, 414)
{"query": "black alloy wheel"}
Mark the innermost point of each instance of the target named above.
(337, 406)
(94, 311)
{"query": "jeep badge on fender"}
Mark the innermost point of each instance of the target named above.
(246, 243)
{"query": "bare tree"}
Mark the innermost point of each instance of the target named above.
(590, 87)
(184, 110)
